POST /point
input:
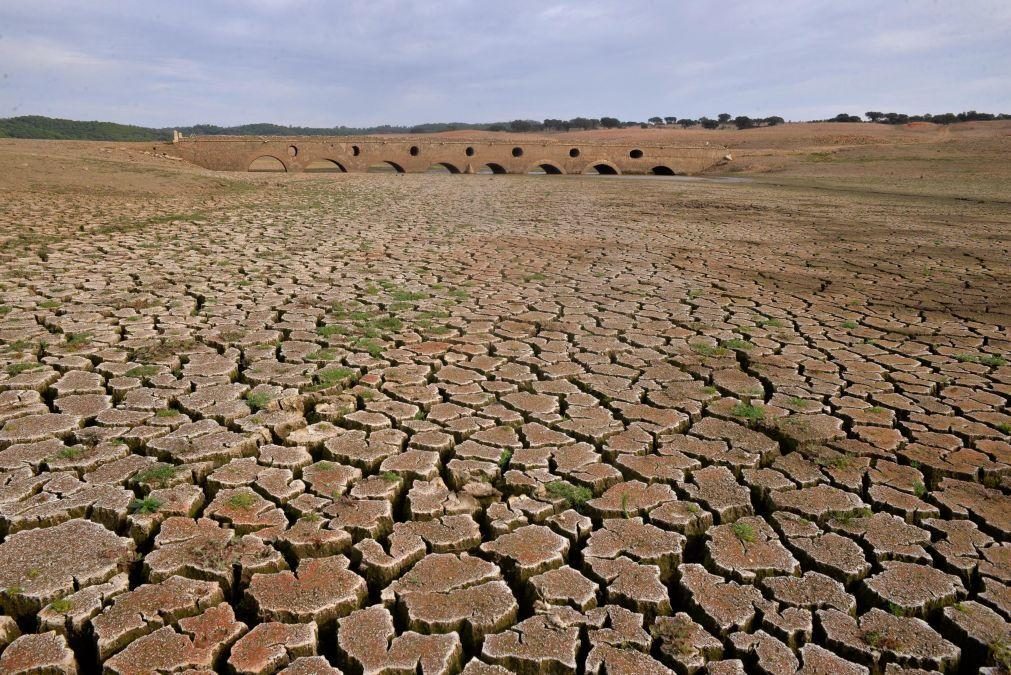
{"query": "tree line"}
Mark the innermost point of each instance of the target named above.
(39, 127)
(900, 118)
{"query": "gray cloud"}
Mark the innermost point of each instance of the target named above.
(362, 62)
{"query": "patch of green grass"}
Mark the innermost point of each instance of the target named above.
(574, 495)
(710, 391)
(1000, 652)
(736, 343)
(241, 500)
(745, 532)
(15, 369)
(503, 460)
(257, 400)
(167, 412)
(896, 610)
(331, 377)
(157, 475)
(391, 477)
(850, 325)
(702, 349)
(880, 640)
(407, 296)
(5, 309)
(1004, 427)
(70, 453)
(322, 355)
(537, 276)
(368, 344)
(747, 411)
(331, 330)
(458, 293)
(49, 304)
(143, 371)
(991, 360)
(18, 346)
(846, 517)
(919, 489)
(389, 323)
(771, 323)
(145, 505)
(75, 340)
(61, 606)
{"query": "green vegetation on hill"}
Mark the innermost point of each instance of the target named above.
(36, 126)
(39, 127)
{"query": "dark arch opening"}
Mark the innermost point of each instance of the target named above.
(292, 151)
(324, 166)
(574, 152)
(517, 152)
(603, 170)
(493, 168)
(415, 151)
(442, 167)
(546, 168)
(385, 167)
(662, 171)
(469, 152)
(636, 154)
(267, 164)
(355, 150)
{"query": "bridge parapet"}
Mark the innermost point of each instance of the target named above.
(411, 154)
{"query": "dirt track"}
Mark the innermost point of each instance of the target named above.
(509, 424)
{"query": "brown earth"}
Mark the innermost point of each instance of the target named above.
(510, 423)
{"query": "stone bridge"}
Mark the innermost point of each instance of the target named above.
(420, 154)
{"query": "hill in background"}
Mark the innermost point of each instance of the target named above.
(40, 127)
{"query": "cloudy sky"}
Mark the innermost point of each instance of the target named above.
(365, 62)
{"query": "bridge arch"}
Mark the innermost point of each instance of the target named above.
(385, 166)
(442, 167)
(547, 166)
(603, 167)
(495, 168)
(662, 170)
(325, 166)
(266, 163)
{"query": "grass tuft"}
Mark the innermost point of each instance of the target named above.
(748, 411)
(241, 500)
(574, 495)
(745, 532)
(146, 505)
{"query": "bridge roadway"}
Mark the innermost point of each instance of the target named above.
(413, 154)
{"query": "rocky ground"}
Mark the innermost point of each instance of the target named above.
(439, 424)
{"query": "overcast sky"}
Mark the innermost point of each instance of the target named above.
(366, 62)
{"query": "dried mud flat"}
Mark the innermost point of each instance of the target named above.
(442, 424)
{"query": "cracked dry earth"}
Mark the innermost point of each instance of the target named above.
(434, 424)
